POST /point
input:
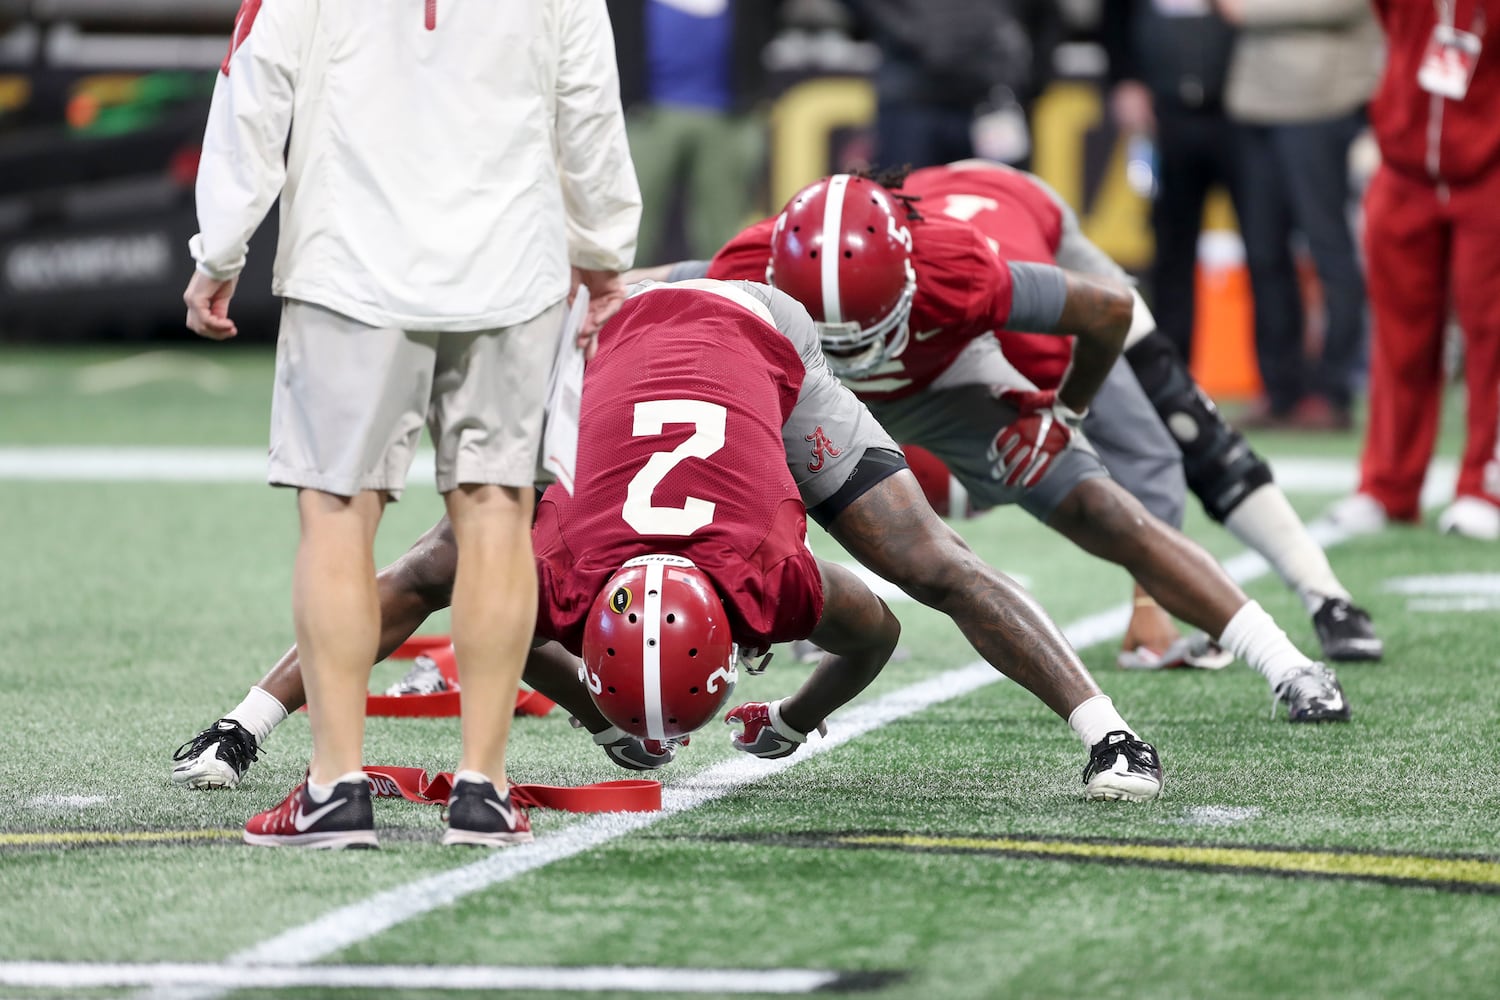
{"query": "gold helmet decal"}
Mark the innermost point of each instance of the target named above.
(619, 601)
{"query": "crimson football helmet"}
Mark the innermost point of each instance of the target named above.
(840, 248)
(658, 659)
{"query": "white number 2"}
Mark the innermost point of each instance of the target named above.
(965, 206)
(708, 437)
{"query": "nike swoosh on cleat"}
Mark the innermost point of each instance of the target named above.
(507, 814)
(302, 820)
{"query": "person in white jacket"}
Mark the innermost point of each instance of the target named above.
(441, 167)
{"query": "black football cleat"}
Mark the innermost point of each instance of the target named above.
(1346, 632)
(1122, 768)
(1312, 694)
(218, 757)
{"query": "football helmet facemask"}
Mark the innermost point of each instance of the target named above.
(657, 655)
(841, 248)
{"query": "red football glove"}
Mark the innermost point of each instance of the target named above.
(1023, 452)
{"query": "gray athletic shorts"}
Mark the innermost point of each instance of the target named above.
(350, 401)
(1135, 446)
(958, 418)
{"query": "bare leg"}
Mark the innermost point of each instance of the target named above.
(1104, 520)
(892, 530)
(553, 671)
(337, 616)
(494, 612)
(859, 633)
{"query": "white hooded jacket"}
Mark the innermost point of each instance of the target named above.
(448, 159)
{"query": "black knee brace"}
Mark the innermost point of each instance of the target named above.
(1221, 468)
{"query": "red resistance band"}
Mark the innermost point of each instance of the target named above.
(441, 704)
(415, 785)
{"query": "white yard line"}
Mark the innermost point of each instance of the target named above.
(175, 976)
(146, 464)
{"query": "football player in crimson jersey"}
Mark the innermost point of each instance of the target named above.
(1152, 430)
(711, 427)
(907, 303)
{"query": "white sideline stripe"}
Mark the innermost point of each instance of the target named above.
(602, 978)
(155, 465)
(349, 925)
(146, 464)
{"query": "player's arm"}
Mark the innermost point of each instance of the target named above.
(1097, 311)
(600, 195)
(243, 165)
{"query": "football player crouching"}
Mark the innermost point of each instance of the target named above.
(711, 429)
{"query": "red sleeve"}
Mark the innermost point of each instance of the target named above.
(962, 282)
(745, 257)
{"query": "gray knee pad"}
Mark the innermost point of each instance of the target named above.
(1221, 468)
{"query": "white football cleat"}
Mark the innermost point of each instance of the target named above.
(218, 757)
(1359, 514)
(1471, 517)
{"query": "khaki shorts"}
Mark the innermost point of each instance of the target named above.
(351, 399)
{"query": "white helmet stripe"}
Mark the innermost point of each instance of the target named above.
(833, 223)
(651, 651)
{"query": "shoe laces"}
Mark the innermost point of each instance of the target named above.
(1313, 682)
(237, 747)
(1139, 755)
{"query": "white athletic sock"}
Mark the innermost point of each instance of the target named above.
(1266, 522)
(474, 776)
(1254, 637)
(320, 793)
(1095, 719)
(259, 713)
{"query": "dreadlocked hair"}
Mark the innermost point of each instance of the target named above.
(892, 179)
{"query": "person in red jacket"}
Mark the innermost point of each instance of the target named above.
(1432, 239)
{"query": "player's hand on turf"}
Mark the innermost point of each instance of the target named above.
(207, 301)
(1024, 451)
(606, 296)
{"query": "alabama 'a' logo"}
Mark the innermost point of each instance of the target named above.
(243, 22)
(822, 449)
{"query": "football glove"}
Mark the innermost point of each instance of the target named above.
(635, 754)
(765, 733)
(1024, 450)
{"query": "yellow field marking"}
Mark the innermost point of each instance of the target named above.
(91, 838)
(1411, 867)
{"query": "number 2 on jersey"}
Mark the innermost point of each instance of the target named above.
(651, 417)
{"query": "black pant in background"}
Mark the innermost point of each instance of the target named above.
(1196, 150)
(1296, 178)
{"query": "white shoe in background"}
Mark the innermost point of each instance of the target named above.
(1358, 514)
(1471, 517)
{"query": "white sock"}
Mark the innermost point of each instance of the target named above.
(1266, 522)
(259, 713)
(320, 793)
(1254, 637)
(473, 776)
(1095, 719)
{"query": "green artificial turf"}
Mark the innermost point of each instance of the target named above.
(136, 613)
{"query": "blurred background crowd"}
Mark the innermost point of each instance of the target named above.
(1219, 149)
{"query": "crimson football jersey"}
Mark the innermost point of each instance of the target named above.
(963, 292)
(680, 451)
(1022, 223)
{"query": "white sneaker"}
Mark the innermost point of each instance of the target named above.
(1358, 514)
(1472, 518)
